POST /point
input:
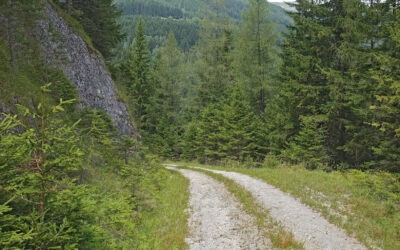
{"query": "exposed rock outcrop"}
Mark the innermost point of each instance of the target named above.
(84, 67)
(3, 109)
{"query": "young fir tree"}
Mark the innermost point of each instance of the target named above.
(303, 89)
(308, 145)
(38, 166)
(140, 83)
(245, 134)
(255, 53)
(227, 130)
(210, 134)
(13, 152)
(191, 147)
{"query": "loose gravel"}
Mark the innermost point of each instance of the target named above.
(216, 218)
(306, 225)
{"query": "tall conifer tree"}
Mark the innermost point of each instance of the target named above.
(141, 85)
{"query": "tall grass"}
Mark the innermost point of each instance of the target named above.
(162, 212)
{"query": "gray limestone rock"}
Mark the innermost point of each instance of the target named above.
(84, 67)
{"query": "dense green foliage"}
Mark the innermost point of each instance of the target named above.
(167, 108)
(67, 184)
(41, 198)
(327, 97)
(331, 85)
(186, 32)
(207, 105)
(149, 8)
(228, 129)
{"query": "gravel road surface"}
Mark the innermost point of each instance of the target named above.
(216, 219)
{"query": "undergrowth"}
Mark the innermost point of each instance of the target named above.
(147, 214)
(162, 197)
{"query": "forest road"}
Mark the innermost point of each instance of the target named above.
(217, 220)
(306, 225)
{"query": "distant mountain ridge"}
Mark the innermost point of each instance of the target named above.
(183, 18)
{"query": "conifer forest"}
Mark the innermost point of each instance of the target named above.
(96, 96)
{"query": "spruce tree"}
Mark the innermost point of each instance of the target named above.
(302, 90)
(140, 83)
(245, 133)
(308, 146)
(13, 152)
(210, 134)
(38, 169)
(228, 130)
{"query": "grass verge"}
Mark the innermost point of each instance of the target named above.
(279, 237)
(163, 198)
(366, 205)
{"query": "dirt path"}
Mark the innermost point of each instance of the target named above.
(307, 226)
(216, 219)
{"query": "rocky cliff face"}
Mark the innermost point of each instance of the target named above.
(3, 109)
(64, 49)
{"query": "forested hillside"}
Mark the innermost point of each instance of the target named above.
(183, 18)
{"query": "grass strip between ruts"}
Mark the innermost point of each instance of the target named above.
(279, 236)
